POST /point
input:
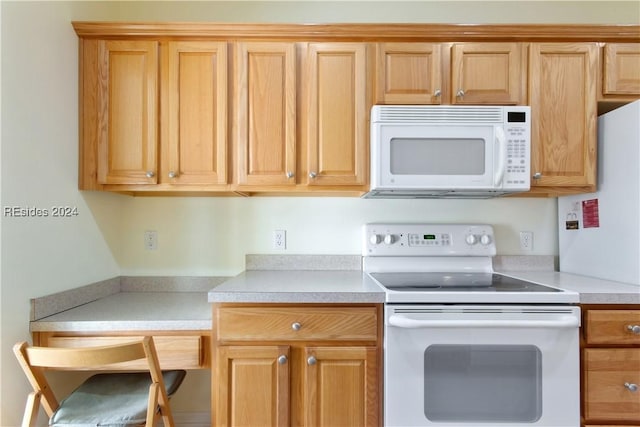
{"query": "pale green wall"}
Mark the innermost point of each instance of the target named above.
(197, 236)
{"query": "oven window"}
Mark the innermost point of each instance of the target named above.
(437, 156)
(483, 383)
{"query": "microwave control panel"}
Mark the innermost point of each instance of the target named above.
(518, 141)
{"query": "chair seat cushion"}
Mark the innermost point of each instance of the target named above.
(112, 399)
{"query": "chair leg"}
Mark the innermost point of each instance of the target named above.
(152, 405)
(31, 409)
(165, 410)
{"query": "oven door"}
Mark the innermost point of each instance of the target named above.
(427, 156)
(481, 366)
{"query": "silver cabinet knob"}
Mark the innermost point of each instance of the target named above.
(437, 93)
(631, 387)
(311, 360)
(537, 175)
(312, 175)
(150, 174)
(296, 326)
(172, 174)
(460, 93)
(634, 329)
(290, 174)
(282, 359)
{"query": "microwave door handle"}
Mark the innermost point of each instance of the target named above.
(409, 323)
(501, 148)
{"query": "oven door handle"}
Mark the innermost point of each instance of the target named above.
(409, 323)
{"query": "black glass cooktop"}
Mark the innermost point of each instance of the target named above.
(456, 282)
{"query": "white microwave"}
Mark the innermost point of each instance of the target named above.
(450, 151)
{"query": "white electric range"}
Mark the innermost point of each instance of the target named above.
(464, 345)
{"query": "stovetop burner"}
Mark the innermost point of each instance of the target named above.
(456, 282)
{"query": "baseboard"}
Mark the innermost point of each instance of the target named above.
(192, 419)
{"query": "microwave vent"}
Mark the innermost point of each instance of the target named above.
(437, 114)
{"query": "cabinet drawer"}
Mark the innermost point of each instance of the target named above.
(174, 352)
(612, 326)
(296, 323)
(606, 373)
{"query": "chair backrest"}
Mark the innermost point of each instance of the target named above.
(35, 360)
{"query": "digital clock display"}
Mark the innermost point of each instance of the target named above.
(429, 237)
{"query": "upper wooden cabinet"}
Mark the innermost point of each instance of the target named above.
(300, 116)
(264, 122)
(194, 112)
(409, 73)
(620, 71)
(488, 73)
(458, 73)
(562, 91)
(185, 108)
(124, 115)
(335, 113)
(125, 86)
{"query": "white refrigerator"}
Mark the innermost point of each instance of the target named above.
(599, 233)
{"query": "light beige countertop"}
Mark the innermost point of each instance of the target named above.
(296, 286)
(354, 287)
(184, 303)
(130, 311)
(592, 290)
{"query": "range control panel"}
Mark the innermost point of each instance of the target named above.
(389, 239)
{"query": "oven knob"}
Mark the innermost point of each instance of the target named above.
(471, 239)
(485, 239)
(389, 239)
(375, 239)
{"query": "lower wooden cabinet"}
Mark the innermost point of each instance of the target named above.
(611, 366)
(293, 374)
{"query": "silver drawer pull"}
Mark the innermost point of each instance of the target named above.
(282, 359)
(634, 329)
(631, 387)
(311, 360)
(296, 326)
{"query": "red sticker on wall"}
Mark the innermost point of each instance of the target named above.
(590, 214)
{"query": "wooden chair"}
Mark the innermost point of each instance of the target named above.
(112, 398)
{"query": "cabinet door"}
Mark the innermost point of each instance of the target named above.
(609, 377)
(336, 113)
(341, 386)
(563, 114)
(621, 69)
(194, 112)
(487, 73)
(265, 116)
(251, 386)
(127, 112)
(409, 73)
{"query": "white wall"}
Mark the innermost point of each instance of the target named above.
(197, 236)
(211, 236)
(42, 255)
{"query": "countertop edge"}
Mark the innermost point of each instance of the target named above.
(124, 325)
(298, 297)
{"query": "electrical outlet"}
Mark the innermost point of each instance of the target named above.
(526, 240)
(280, 239)
(151, 240)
